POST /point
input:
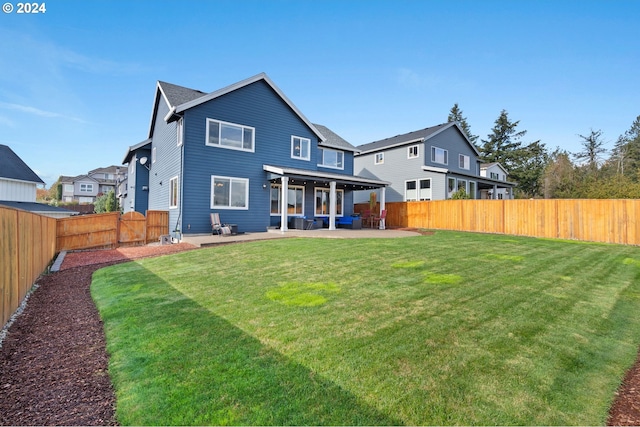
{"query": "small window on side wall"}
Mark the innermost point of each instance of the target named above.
(414, 151)
(379, 159)
(300, 148)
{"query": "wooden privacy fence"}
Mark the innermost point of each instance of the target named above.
(606, 220)
(110, 230)
(27, 245)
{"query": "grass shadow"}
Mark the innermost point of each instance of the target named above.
(195, 368)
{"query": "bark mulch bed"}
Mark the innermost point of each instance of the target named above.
(53, 361)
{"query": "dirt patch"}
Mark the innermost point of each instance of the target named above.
(53, 361)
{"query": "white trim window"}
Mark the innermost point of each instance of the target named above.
(451, 186)
(462, 184)
(417, 189)
(86, 188)
(300, 148)
(295, 200)
(472, 189)
(229, 192)
(379, 159)
(439, 155)
(153, 155)
(179, 132)
(68, 188)
(464, 162)
(230, 135)
(323, 197)
(173, 192)
(328, 158)
(132, 166)
(413, 152)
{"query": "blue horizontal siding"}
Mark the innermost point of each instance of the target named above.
(257, 106)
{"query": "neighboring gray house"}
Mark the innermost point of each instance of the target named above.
(427, 164)
(495, 171)
(18, 185)
(85, 188)
(244, 151)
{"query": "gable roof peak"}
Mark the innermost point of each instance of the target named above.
(13, 167)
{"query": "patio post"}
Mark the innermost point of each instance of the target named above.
(332, 205)
(283, 197)
(382, 207)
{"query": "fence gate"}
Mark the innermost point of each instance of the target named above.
(133, 229)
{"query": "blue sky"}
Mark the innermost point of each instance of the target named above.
(77, 82)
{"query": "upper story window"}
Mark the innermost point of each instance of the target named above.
(300, 148)
(414, 151)
(379, 159)
(229, 135)
(179, 132)
(86, 188)
(464, 162)
(494, 175)
(153, 155)
(68, 188)
(439, 155)
(330, 158)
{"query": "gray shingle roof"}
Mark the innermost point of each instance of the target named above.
(400, 139)
(178, 95)
(12, 167)
(333, 139)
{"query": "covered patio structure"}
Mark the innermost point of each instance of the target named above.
(320, 182)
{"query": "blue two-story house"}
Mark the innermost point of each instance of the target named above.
(428, 164)
(244, 151)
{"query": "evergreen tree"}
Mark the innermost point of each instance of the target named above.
(502, 143)
(455, 115)
(525, 164)
(626, 152)
(592, 150)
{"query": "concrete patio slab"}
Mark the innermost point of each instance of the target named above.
(201, 240)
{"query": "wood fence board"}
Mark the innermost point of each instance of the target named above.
(601, 220)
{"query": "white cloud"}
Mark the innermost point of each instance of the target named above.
(36, 111)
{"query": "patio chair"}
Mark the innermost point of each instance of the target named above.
(217, 227)
(376, 219)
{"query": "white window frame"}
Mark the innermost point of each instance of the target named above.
(231, 179)
(466, 186)
(302, 140)
(451, 181)
(221, 124)
(464, 162)
(378, 159)
(339, 206)
(68, 188)
(279, 201)
(174, 192)
(339, 164)
(83, 200)
(88, 188)
(473, 184)
(132, 166)
(153, 155)
(418, 195)
(180, 130)
(413, 152)
(434, 155)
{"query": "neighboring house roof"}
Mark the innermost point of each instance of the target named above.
(109, 169)
(489, 165)
(334, 140)
(133, 148)
(180, 99)
(12, 167)
(81, 178)
(412, 137)
(36, 207)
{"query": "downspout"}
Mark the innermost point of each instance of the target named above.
(181, 183)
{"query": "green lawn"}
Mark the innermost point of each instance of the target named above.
(453, 328)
